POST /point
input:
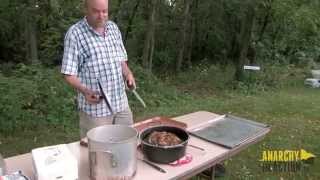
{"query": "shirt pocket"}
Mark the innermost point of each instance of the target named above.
(95, 56)
(115, 49)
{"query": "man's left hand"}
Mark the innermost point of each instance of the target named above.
(131, 83)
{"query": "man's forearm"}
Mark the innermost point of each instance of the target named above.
(126, 70)
(128, 76)
(75, 83)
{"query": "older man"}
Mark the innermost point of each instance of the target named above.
(94, 53)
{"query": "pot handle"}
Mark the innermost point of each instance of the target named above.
(139, 139)
(113, 159)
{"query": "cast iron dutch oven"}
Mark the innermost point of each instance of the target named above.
(164, 154)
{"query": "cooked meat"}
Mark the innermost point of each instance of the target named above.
(163, 138)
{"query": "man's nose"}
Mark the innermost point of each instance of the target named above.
(101, 14)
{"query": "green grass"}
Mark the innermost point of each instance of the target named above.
(295, 120)
(293, 112)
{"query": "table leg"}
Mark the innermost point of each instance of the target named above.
(212, 172)
(208, 174)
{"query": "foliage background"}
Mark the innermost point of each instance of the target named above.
(209, 41)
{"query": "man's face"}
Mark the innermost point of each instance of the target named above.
(97, 12)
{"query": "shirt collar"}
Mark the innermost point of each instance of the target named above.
(91, 29)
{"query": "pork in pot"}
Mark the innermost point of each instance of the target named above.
(163, 138)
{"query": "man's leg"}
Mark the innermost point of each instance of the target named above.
(88, 122)
(124, 117)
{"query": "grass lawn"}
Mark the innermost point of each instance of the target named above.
(293, 113)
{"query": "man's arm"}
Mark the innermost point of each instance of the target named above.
(91, 96)
(128, 75)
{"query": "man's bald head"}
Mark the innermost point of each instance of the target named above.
(88, 3)
(96, 12)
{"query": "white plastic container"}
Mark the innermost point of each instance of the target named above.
(14, 176)
(55, 163)
(315, 83)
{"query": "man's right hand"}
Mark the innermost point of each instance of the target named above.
(92, 97)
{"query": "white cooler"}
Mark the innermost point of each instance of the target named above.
(55, 163)
(315, 83)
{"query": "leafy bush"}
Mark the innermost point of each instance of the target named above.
(35, 96)
(153, 90)
(271, 77)
(208, 78)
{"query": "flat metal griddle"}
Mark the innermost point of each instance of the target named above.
(229, 131)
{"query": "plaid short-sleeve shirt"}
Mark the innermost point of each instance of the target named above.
(92, 57)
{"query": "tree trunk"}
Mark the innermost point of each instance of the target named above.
(151, 53)
(135, 10)
(183, 38)
(196, 39)
(148, 49)
(116, 14)
(31, 36)
(265, 20)
(243, 42)
(192, 35)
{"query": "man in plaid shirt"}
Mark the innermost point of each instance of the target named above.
(94, 52)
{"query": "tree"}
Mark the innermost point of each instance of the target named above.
(31, 33)
(241, 38)
(130, 21)
(170, 34)
(183, 38)
(147, 56)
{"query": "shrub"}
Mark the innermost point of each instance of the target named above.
(35, 96)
